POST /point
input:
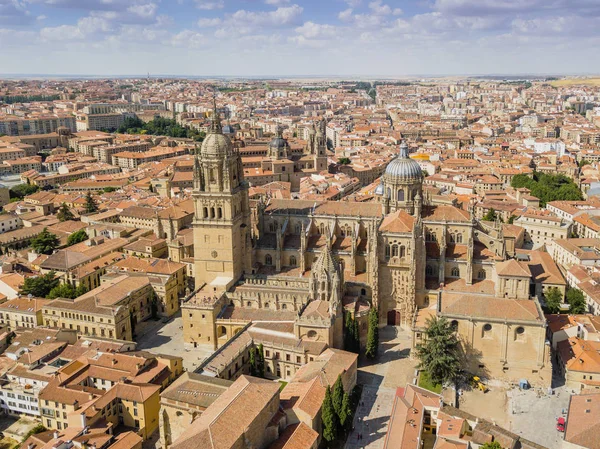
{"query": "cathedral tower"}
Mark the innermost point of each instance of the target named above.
(222, 243)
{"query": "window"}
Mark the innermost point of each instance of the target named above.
(520, 333)
(394, 250)
(429, 270)
(268, 260)
(387, 252)
(487, 330)
(293, 261)
(400, 195)
(455, 272)
(481, 275)
(458, 238)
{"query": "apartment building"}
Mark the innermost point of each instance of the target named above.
(130, 159)
(22, 312)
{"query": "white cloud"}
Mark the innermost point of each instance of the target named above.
(346, 15)
(210, 4)
(277, 2)
(188, 38)
(379, 8)
(209, 23)
(285, 15)
(311, 30)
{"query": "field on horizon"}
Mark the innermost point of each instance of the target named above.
(576, 82)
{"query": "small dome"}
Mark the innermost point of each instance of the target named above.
(228, 129)
(216, 145)
(403, 168)
(278, 142)
(379, 189)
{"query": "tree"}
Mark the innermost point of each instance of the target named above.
(351, 337)
(37, 429)
(576, 301)
(439, 353)
(372, 334)
(511, 219)
(109, 189)
(77, 237)
(40, 286)
(90, 203)
(45, 242)
(345, 414)
(22, 190)
(554, 299)
(344, 161)
(338, 395)
(64, 213)
(260, 361)
(492, 445)
(329, 418)
(491, 215)
(67, 291)
(548, 187)
(253, 362)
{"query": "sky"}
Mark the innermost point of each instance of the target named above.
(271, 38)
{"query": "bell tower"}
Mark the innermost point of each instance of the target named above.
(222, 243)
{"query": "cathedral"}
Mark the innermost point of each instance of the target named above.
(301, 265)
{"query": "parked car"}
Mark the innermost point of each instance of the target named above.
(560, 424)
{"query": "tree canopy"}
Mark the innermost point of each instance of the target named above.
(45, 242)
(329, 417)
(439, 353)
(77, 237)
(554, 298)
(64, 213)
(40, 286)
(160, 127)
(548, 187)
(22, 190)
(372, 334)
(66, 291)
(576, 301)
(491, 215)
(90, 203)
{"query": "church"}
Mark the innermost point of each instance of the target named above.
(294, 268)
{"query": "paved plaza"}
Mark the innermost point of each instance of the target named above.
(167, 338)
(380, 378)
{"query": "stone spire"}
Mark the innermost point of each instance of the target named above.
(216, 127)
(403, 150)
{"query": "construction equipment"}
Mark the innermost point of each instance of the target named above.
(479, 384)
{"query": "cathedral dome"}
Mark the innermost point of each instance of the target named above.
(216, 145)
(278, 142)
(403, 168)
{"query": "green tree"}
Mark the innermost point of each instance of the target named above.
(22, 190)
(548, 187)
(576, 301)
(344, 161)
(583, 163)
(260, 361)
(492, 445)
(109, 189)
(355, 337)
(253, 362)
(351, 338)
(511, 219)
(40, 286)
(345, 414)
(439, 353)
(554, 299)
(66, 291)
(77, 237)
(90, 203)
(64, 213)
(372, 334)
(328, 417)
(491, 215)
(37, 429)
(337, 395)
(45, 242)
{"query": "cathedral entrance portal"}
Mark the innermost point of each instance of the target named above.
(393, 318)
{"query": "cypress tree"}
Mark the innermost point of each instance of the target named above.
(260, 369)
(328, 417)
(345, 413)
(373, 334)
(338, 395)
(253, 362)
(355, 336)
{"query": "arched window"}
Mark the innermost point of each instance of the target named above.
(292, 261)
(402, 251)
(389, 193)
(394, 250)
(458, 238)
(266, 305)
(388, 251)
(283, 306)
(249, 304)
(212, 175)
(455, 272)
(219, 212)
(205, 212)
(212, 212)
(481, 275)
(452, 238)
(298, 229)
(268, 260)
(429, 270)
(400, 195)
(322, 228)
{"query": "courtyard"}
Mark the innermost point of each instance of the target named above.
(167, 338)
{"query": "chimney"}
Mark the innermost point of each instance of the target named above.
(55, 435)
(30, 446)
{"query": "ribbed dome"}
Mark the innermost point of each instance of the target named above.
(278, 142)
(216, 145)
(403, 168)
(325, 262)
